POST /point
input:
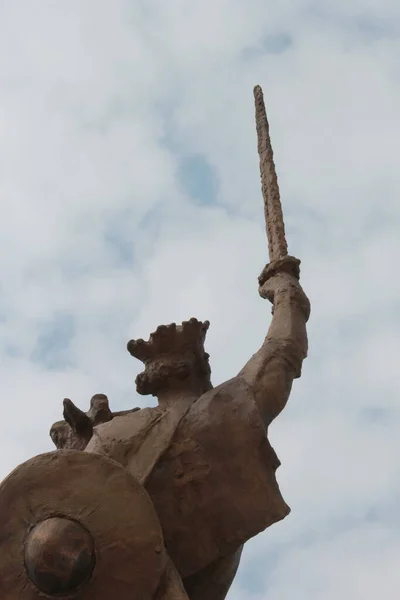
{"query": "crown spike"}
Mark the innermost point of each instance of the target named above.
(171, 340)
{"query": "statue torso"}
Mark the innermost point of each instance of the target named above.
(208, 468)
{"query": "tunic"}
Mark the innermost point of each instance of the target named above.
(208, 468)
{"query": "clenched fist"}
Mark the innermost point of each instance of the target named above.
(279, 280)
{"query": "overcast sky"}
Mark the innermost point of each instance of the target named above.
(130, 197)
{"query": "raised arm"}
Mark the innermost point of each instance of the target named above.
(270, 372)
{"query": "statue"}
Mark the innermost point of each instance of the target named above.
(157, 503)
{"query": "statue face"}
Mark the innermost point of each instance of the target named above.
(169, 373)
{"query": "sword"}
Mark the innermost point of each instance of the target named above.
(275, 227)
(269, 183)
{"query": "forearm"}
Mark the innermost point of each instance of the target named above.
(270, 372)
(288, 328)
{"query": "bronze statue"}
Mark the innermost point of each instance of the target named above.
(157, 503)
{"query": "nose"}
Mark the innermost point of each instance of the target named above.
(59, 556)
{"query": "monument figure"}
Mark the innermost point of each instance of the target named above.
(157, 503)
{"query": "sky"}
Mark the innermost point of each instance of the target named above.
(130, 197)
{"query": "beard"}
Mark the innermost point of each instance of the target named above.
(161, 375)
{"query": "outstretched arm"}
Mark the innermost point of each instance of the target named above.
(270, 372)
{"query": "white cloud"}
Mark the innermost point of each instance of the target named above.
(98, 104)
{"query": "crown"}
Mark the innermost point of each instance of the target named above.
(171, 339)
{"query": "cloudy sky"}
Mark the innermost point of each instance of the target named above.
(130, 197)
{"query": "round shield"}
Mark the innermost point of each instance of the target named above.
(77, 525)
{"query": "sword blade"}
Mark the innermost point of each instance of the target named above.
(275, 226)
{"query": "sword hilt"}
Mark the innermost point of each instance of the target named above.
(288, 264)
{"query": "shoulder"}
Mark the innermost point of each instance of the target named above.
(120, 431)
(232, 395)
(234, 390)
(229, 407)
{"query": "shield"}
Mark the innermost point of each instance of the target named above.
(77, 525)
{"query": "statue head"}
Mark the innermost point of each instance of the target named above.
(174, 359)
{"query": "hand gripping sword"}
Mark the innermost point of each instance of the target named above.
(277, 245)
